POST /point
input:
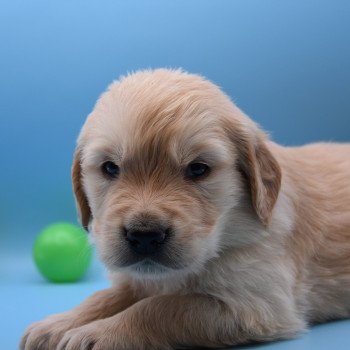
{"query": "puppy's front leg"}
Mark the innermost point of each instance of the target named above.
(170, 321)
(160, 322)
(46, 334)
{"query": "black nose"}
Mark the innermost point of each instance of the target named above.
(145, 242)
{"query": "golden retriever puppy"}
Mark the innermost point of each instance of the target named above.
(213, 234)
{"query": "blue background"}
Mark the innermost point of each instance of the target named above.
(285, 63)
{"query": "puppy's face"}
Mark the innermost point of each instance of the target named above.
(156, 172)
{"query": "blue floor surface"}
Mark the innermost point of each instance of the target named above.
(25, 297)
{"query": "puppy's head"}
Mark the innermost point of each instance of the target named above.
(160, 162)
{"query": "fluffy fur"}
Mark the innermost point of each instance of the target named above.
(260, 248)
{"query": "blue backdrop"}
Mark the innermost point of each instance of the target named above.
(286, 63)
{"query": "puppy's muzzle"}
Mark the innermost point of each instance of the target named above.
(145, 242)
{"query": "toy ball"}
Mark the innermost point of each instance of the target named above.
(62, 252)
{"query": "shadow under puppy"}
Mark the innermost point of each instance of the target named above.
(213, 234)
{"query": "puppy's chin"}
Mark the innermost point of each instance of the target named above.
(148, 268)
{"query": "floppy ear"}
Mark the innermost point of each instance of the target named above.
(80, 197)
(261, 170)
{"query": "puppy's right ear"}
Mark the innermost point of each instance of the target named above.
(80, 197)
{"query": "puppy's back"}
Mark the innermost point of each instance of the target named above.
(318, 177)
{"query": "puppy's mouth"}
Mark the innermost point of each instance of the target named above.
(162, 261)
(169, 258)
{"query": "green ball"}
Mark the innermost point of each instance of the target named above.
(62, 252)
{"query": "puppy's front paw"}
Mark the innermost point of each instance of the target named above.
(87, 337)
(46, 334)
(107, 334)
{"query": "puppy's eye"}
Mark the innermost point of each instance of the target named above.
(110, 169)
(197, 170)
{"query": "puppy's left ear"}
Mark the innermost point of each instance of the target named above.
(80, 196)
(259, 167)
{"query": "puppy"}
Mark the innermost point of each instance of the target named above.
(213, 234)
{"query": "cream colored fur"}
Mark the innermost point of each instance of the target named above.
(261, 247)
